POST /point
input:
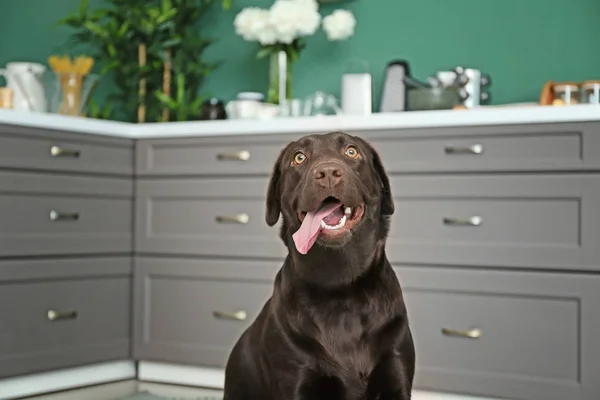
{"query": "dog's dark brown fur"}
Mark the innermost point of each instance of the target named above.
(336, 326)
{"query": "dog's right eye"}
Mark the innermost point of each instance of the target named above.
(299, 158)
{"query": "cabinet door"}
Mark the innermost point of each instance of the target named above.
(193, 311)
(35, 149)
(525, 221)
(516, 335)
(210, 217)
(63, 313)
(492, 148)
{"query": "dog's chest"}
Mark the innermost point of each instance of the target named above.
(347, 339)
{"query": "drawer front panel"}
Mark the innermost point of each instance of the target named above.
(477, 153)
(546, 221)
(525, 147)
(62, 184)
(190, 314)
(181, 217)
(54, 154)
(239, 156)
(45, 225)
(503, 334)
(56, 324)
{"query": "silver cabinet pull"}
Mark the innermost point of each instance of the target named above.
(61, 216)
(472, 221)
(243, 155)
(474, 149)
(469, 334)
(233, 219)
(54, 315)
(57, 151)
(236, 315)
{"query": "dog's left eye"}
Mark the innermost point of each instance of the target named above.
(352, 152)
(299, 158)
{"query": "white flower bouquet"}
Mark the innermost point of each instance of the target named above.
(282, 28)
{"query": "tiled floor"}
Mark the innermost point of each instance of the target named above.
(121, 390)
(125, 389)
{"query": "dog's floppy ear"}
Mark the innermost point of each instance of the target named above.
(274, 193)
(387, 202)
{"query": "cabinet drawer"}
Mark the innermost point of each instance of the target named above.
(54, 224)
(529, 147)
(193, 311)
(62, 323)
(208, 156)
(54, 153)
(528, 221)
(505, 334)
(208, 217)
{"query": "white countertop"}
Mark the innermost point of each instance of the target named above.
(413, 119)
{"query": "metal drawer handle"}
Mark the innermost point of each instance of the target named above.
(60, 216)
(54, 315)
(233, 219)
(243, 155)
(57, 151)
(472, 221)
(469, 334)
(236, 315)
(474, 149)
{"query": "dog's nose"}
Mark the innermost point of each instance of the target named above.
(328, 174)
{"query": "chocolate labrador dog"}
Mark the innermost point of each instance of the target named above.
(335, 327)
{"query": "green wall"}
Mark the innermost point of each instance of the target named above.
(520, 43)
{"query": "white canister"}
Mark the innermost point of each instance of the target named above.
(357, 94)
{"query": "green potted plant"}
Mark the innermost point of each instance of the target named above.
(146, 46)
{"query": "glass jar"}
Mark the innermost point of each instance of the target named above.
(590, 91)
(566, 94)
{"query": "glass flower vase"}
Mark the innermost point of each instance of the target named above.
(280, 78)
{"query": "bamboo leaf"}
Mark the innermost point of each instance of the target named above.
(83, 7)
(166, 100)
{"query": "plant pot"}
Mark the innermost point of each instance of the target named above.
(280, 77)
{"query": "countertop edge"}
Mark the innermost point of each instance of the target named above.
(487, 116)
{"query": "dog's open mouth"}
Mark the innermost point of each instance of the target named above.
(331, 219)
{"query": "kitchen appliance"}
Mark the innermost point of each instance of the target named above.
(25, 79)
(394, 90)
(357, 88)
(473, 86)
(433, 98)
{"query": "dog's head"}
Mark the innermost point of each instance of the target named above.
(331, 190)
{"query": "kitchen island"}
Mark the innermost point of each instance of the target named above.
(148, 243)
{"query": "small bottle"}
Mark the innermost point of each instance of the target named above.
(590, 92)
(566, 94)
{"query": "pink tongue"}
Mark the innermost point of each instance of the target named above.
(306, 236)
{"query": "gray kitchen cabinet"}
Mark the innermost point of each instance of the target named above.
(46, 150)
(526, 221)
(66, 231)
(517, 335)
(495, 239)
(63, 313)
(192, 311)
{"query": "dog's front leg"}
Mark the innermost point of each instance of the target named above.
(389, 380)
(314, 385)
